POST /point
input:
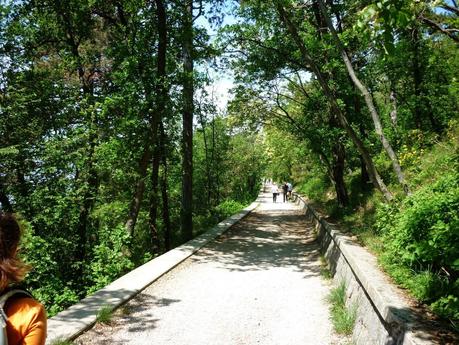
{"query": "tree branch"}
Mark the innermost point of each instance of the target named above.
(438, 27)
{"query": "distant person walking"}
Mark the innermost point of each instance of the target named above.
(25, 318)
(285, 191)
(275, 191)
(290, 190)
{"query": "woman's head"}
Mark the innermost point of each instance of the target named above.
(12, 270)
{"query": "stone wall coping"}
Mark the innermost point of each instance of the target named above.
(386, 298)
(73, 321)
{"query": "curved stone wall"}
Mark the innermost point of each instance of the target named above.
(383, 315)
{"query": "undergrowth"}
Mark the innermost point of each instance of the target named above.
(105, 315)
(62, 342)
(416, 238)
(343, 318)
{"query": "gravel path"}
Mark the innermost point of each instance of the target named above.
(258, 284)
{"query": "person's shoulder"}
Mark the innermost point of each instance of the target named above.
(25, 307)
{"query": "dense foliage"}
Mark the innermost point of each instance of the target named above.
(91, 158)
(359, 103)
(108, 138)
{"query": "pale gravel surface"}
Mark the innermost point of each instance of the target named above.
(258, 284)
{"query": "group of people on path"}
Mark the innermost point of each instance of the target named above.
(286, 189)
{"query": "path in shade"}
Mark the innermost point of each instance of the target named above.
(258, 284)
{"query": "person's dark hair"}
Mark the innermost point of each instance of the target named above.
(12, 269)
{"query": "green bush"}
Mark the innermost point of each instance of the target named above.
(46, 280)
(421, 237)
(426, 233)
(111, 259)
(315, 187)
(227, 208)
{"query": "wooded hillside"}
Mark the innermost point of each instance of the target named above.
(113, 150)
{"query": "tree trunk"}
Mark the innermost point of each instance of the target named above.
(417, 79)
(338, 174)
(139, 191)
(208, 168)
(154, 235)
(374, 175)
(156, 117)
(164, 193)
(89, 197)
(364, 177)
(4, 200)
(369, 101)
(216, 189)
(186, 214)
(23, 187)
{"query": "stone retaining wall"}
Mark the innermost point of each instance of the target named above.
(68, 324)
(383, 315)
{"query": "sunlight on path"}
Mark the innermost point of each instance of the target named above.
(258, 284)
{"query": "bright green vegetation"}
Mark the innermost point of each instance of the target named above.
(112, 149)
(343, 317)
(363, 117)
(416, 237)
(95, 139)
(324, 269)
(105, 315)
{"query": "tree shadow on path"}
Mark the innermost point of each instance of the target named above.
(265, 240)
(136, 317)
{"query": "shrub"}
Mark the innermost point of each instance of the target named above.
(426, 233)
(110, 258)
(422, 235)
(227, 208)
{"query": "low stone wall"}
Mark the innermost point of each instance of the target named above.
(73, 321)
(383, 315)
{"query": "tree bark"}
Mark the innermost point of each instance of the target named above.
(417, 79)
(156, 118)
(91, 182)
(208, 168)
(153, 212)
(369, 101)
(4, 200)
(164, 193)
(139, 191)
(374, 175)
(186, 214)
(216, 190)
(338, 174)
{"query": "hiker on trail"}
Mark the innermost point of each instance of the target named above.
(275, 191)
(26, 318)
(285, 191)
(290, 189)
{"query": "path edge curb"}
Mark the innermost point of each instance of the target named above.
(70, 323)
(397, 324)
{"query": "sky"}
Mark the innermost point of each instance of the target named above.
(223, 80)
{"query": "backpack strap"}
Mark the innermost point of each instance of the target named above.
(4, 298)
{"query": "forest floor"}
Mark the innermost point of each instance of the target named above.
(259, 283)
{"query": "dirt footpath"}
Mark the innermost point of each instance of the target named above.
(260, 283)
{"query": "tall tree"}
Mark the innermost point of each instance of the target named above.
(368, 100)
(372, 171)
(187, 117)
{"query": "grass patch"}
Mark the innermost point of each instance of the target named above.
(343, 318)
(105, 315)
(324, 269)
(62, 342)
